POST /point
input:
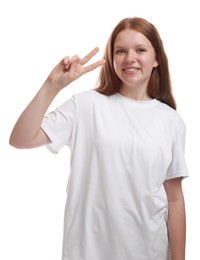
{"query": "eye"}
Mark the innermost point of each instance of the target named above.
(120, 51)
(140, 50)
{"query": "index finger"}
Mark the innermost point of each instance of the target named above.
(93, 66)
(91, 54)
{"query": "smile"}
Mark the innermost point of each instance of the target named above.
(131, 69)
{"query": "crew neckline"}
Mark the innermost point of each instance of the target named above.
(139, 103)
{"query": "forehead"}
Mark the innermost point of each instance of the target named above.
(131, 37)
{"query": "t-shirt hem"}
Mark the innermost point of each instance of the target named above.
(177, 175)
(51, 147)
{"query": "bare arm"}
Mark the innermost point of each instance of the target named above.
(176, 219)
(27, 132)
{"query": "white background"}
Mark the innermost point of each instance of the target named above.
(35, 35)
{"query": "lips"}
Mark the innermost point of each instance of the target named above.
(131, 69)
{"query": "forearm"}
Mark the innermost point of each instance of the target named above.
(29, 122)
(177, 229)
(27, 132)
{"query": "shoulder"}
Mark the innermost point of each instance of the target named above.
(89, 94)
(89, 97)
(171, 115)
(164, 108)
(81, 98)
(84, 101)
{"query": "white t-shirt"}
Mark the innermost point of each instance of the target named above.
(122, 151)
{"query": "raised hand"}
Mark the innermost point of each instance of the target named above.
(27, 132)
(70, 69)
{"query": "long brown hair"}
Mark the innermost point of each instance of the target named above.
(159, 85)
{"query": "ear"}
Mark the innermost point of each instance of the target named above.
(155, 64)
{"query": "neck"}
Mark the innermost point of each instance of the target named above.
(134, 94)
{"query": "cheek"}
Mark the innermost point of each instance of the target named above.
(148, 62)
(144, 60)
(115, 64)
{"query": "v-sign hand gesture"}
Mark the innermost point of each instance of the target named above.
(70, 69)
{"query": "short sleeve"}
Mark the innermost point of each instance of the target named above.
(178, 167)
(58, 125)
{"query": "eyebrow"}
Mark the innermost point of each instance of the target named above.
(142, 45)
(138, 45)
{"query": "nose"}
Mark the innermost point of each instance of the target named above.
(131, 56)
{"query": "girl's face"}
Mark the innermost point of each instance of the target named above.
(133, 60)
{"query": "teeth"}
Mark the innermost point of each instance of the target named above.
(132, 69)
